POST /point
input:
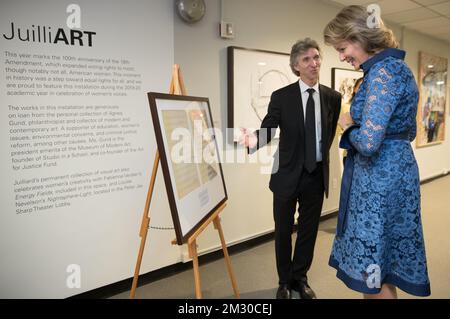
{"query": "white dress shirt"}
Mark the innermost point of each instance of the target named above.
(316, 96)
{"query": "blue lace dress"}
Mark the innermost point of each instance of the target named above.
(379, 237)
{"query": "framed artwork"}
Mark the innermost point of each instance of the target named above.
(189, 157)
(432, 99)
(252, 77)
(343, 81)
(448, 104)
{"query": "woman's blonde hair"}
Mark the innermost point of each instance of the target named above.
(353, 24)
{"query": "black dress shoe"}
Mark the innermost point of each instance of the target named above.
(305, 291)
(284, 292)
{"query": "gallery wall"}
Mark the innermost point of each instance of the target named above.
(77, 142)
(275, 26)
(433, 160)
(41, 249)
(202, 54)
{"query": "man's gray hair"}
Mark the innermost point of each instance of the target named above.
(300, 47)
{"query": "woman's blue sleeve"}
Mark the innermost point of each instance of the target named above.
(384, 91)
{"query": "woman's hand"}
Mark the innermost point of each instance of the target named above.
(345, 120)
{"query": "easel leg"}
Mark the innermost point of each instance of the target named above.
(176, 87)
(193, 255)
(144, 225)
(138, 264)
(218, 226)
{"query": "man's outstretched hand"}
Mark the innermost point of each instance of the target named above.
(247, 138)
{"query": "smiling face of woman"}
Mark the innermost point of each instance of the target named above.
(352, 53)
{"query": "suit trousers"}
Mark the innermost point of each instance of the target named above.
(309, 195)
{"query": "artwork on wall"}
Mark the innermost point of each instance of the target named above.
(432, 99)
(448, 99)
(343, 81)
(189, 158)
(252, 77)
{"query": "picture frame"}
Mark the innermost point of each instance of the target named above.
(431, 114)
(448, 103)
(190, 160)
(253, 75)
(343, 81)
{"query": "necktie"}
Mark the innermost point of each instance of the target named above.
(310, 133)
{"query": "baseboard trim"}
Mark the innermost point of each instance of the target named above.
(431, 179)
(331, 215)
(125, 285)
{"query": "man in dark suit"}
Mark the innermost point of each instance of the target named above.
(306, 113)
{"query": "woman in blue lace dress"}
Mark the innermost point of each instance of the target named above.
(379, 242)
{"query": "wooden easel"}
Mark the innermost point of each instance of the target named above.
(177, 87)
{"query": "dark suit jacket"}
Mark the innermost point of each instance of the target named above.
(286, 111)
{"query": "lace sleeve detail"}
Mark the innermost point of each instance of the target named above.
(384, 90)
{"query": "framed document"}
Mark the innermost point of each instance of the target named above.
(189, 157)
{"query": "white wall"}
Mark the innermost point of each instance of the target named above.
(107, 240)
(433, 160)
(95, 233)
(267, 25)
(275, 26)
